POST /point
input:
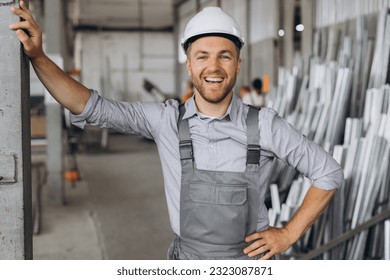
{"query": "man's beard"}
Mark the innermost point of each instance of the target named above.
(212, 97)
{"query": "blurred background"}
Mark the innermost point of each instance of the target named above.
(67, 193)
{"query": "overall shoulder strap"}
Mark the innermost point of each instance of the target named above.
(253, 136)
(185, 142)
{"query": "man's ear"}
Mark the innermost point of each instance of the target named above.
(188, 65)
(238, 66)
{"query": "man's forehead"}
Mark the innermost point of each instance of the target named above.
(213, 43)
(211, 40)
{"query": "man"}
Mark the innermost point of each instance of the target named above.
(189, 92)
(256, 96)
(215, 169)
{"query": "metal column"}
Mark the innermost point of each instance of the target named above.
(288, 38)
(55, 152)
(15, 160)
(307, 21)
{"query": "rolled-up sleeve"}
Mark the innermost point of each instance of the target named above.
(307, 157)
(81, 120)
(126, 117)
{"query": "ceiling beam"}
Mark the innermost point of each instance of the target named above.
(90, 27)
(177, 3)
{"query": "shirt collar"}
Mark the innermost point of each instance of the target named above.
(231, 111)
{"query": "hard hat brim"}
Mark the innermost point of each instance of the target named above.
(232, 38)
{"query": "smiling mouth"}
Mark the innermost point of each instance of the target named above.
(214, 80)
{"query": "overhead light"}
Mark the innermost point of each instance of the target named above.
(299, 28)
(281, 32)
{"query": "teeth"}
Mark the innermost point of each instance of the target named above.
(214, 80)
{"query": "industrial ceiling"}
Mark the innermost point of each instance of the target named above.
(121, 14)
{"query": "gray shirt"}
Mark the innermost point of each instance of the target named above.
(219, 143)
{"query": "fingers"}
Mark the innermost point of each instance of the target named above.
(271, 241)
(267, 256)
(258, 251)
(25, 14)
(23, 11)
(260, 247)
(24, 38)
(24, 7)
(257, 244)
(261, 244)
(27, 31)
(254, 236)
(20, 25)
(256, 248)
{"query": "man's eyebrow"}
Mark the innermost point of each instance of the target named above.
(220, 52)
(201, 52)
(226, 51)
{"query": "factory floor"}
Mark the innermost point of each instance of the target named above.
(116, 211)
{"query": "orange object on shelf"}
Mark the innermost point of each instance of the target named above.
(265, 83)
(72, 175)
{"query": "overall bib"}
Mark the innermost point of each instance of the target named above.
(217, 209)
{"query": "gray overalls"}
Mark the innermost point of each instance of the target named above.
(217, 209)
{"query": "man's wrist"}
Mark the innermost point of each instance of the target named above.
(291, 235)
(38, 58)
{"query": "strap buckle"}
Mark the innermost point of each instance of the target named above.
(185, 147)
(185, 143)
(253, 148)
(253, 154)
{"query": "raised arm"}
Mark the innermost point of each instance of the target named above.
(67, 91)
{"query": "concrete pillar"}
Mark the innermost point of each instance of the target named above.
(307, 13)
(15, 153)
(246, 54)
(54, 41)
(288, 26)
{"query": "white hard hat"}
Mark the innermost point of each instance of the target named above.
(212, 21)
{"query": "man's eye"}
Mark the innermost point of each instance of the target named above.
(203, 57)
(225, 57)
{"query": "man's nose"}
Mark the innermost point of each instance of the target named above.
(214, 63)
